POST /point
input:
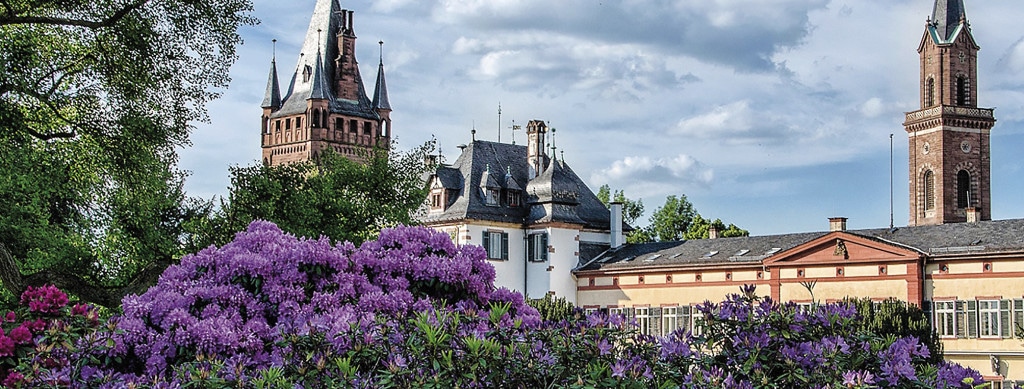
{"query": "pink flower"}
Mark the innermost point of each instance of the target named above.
(6, 346)
(13, 379)
(10, 317)
(21, 335)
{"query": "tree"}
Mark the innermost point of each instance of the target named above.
(631, 210)
(332, 196)
(671, 221)
(95, 97)
(700, 229)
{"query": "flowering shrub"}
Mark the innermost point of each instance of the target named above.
(411, 309)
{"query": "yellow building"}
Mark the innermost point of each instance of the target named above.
(965, 270)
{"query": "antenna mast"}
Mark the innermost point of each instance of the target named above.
(499, 122)
(891, 226)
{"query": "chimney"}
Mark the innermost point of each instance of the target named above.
(537, 158)
(712, 232)
(616, 225)
(430, 160)
(837, 224)
(973, 214)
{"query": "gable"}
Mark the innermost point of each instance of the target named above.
(843, 248)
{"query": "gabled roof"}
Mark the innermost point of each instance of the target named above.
(944, 241)
(499, 165)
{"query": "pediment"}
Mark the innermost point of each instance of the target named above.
(843, 248)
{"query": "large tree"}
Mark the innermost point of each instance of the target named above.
(95, 98)
(331, 196)
(671, 221)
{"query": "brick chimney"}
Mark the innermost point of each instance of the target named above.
(837, 224)
(973, 214)
(537, 158)
(712, 232)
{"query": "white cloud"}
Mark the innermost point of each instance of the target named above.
(873, 108)
(679, 170)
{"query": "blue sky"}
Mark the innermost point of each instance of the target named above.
(770, 114)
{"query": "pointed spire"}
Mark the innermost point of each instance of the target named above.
(380, 93)
(272, 99)
(320, 89)
(946, 17)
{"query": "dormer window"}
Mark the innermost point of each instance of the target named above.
(307, 72)
(491, 196)
(436, 200)
(513, 198)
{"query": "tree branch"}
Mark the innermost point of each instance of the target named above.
(10, 19)
(16, 283)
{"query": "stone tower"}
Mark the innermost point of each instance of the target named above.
(325, 105)
(949, 135)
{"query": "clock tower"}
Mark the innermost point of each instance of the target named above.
(949, 135)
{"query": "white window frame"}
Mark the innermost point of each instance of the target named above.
(945, 318)
(496, 245)
(537, 247)
(642, 316)
(988, 319)
(669, 320)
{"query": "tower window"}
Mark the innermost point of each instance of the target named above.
(929, 190)
(353, 125)
(963, 189)
(306, 73)
(929, 92)
(962, 91)
(316, 117)
(367, 128)
(298, 123)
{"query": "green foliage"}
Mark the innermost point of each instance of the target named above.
(333, 197)
(893, 317)
(671, 221)
(631, 210)
(555, 308)
(95, 97)
(699, 229)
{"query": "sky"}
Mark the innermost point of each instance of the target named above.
(773, 115)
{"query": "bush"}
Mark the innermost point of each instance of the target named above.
(411, 309)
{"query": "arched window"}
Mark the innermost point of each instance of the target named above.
(316, 117)
(962, 91)
(323, 119)
(929, 190)
(963, 189)
(929, 92)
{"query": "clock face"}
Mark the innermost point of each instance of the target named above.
(927, 147)
(965, 146)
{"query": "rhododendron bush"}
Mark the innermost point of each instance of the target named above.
(411, 309)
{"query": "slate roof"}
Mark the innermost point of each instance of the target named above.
(380, 91)
(272, 99)
(322, 39)
(938, 241)
(490, 164)
(946, 18)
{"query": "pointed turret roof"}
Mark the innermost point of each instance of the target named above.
(946, 17)
(321, 88)
(272, 99)
(380, 92)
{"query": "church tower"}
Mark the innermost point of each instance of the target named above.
(325, 105)
(949, 135)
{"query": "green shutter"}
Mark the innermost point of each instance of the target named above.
(504, 246)
(531, 248)
(1005, 330)
(961, 319)
(544, 247)
(972, 319)
(487, 244)
(1018, 315)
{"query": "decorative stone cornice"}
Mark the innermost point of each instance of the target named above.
(949, 115)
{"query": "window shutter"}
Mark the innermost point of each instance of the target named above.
(487, 244)
(544, 247)
(961, 319)
(1005, 330)
(972, 319)
(926, 308)
(504, 246)
(531, 248)
(1018, 315)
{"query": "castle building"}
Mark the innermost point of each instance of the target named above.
(963, 269)
(324, 105)
(537, 220)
